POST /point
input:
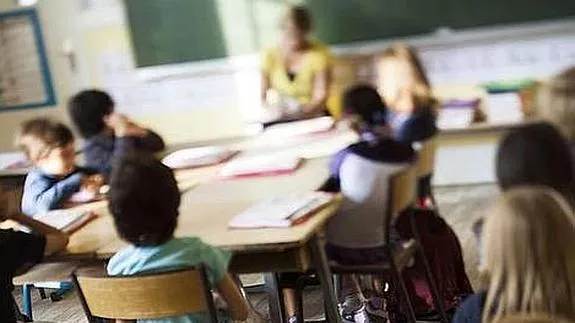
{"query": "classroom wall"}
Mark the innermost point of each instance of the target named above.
(94, 33)
(55, 30)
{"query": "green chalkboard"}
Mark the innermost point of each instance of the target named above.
(173, 31)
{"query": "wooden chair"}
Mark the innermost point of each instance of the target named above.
(148, 296)
(425, 165)
(402, 197)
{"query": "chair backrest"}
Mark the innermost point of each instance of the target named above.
(532, 318)
(402, 191)
(426, 157)
(149, 296)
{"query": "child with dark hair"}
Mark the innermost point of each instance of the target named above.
(144, 202)
(107, 134)
(533, 155)
(536, 154)
(18, 249)
(49, 145)
(360, 173)
(364, 110)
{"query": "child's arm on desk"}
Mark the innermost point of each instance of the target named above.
(56, 240)
(39, 196)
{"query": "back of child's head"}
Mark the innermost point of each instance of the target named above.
(535, 154)
(364, 101)
(400, 69)
(87, 110)
(40, 135)
(556, 102)
(529, 257)
(143, 199)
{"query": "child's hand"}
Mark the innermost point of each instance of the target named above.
(124, 127)
(92, 183)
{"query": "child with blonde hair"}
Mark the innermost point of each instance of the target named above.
(556, 102)
(406, 92)
(55, 178)
(529, 265)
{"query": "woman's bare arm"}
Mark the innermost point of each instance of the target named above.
(320, 94)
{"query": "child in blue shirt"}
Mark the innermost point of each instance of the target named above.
(144, 202)
(49, 145)
(108, 134)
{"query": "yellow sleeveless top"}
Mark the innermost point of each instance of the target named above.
(317, 59)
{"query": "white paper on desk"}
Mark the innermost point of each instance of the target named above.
(260, 165)
(300, 128)
(197, 157)
(62, 219)
(503, 108)
(13, 160)
(281, 212)
(450, 118)
(83, 197)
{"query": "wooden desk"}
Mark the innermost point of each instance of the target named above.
(206, 211)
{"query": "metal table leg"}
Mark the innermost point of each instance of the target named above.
(275, 297)
(324, 275)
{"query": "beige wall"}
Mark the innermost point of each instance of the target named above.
(55, 30)
(62, 20)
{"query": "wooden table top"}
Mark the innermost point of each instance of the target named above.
(207, 208)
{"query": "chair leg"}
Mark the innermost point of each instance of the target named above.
(397, 277)
(437, 299)
(299, 289)
(275, 296)
(42, 292)
(337, 285)
(27, 300)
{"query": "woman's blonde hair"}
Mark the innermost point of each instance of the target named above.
(529, 255)
(421, 88)
(535, 318)
(556, 102)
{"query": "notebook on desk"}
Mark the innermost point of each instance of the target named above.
(282, 212)
(67, 221)
(260, 166)
(197, 157)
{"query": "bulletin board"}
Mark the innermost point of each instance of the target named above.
(25, 78)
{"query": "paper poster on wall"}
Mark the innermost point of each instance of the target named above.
(25, 80)
(501, 60)
(137, 96)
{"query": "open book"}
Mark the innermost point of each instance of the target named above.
(282, 212)
(260, 166)
(197, 157)
(67, 221)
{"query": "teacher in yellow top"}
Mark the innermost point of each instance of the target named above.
(296, 74)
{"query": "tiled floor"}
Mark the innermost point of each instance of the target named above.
(460, 206)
